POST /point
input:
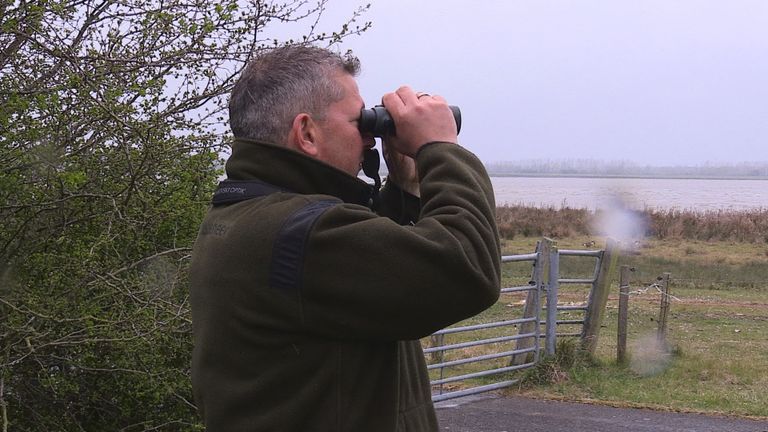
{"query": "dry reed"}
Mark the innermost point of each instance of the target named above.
(746, 226)
(547, 221)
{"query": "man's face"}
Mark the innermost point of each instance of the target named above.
(340, 143)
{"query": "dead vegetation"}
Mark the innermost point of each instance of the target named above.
(744, 226)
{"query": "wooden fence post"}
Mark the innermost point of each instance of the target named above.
(598, 297)
(533, 303)
(664, 309)
(621, 343)
(553, 286)
(437, 341)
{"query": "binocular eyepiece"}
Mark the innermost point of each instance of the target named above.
(377, 121)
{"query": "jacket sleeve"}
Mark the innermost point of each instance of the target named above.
(365, 276)
(398, 205)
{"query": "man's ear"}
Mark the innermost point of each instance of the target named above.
(304, 134)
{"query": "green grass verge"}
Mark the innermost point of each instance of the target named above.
(717, 351)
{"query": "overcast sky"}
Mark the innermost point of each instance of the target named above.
(661, 82)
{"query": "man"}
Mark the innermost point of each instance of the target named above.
(307, 305)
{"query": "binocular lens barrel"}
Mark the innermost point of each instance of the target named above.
(379, 123)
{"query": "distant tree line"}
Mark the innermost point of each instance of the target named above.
(593, 167)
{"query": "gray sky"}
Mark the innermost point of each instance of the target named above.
(662, 82)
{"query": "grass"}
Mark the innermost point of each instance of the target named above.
(717, 350)
(719, 355)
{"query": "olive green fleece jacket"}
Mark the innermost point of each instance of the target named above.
(307, 306)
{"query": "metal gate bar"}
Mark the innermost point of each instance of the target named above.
(536, 287)
(598, 255)
(539, 285)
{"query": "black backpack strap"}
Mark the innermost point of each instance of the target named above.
(232, 191)
(371, 162)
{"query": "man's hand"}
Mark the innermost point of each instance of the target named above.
(402, 168)
(419, 119)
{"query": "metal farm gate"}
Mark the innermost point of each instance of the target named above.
(479, 356)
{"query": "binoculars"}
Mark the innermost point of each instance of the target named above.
(379, 123)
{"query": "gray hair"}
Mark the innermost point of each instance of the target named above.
(281, 83)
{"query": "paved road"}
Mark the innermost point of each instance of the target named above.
(491, 413)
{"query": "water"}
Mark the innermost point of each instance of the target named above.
(594, 193)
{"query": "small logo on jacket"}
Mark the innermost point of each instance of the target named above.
(230, 190)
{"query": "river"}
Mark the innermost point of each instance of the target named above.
(635, 193)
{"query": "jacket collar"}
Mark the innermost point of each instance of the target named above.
(289, 169)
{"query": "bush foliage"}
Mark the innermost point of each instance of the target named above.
(110, 120)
